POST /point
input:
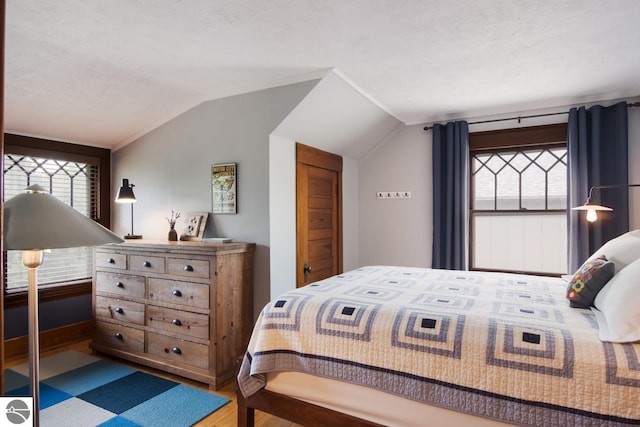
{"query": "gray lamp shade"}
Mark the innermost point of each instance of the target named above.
(37, 220)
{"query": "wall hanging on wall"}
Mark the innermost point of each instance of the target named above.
(224, 193)
(195, 223)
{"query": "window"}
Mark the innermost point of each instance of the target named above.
(74, 174)
(518, 200)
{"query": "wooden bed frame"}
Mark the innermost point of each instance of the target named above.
(293, 410)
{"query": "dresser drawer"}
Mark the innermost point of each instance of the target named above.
(120, 310)
(176, 350)
(189, 267)
(111, 260)
(177, 292)
(119, 336)
(147, 264)
(177, 321)
(125, 285)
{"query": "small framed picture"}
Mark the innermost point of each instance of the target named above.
(224, 191)
(195, 223)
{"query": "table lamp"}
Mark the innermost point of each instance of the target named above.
(35, 221)
(125, 195)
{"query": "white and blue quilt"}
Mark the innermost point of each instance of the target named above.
(496, 345)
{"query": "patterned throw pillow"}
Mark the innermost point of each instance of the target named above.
(588, 281)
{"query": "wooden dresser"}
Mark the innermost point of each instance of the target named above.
(181, 307)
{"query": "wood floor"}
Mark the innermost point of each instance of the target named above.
(223, 417)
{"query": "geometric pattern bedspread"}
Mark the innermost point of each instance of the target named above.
(496, 345)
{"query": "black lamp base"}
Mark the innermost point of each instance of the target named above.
(133, 236)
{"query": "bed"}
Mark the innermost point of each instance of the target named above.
(401, 346)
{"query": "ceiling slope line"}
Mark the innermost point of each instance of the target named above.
(362, 92)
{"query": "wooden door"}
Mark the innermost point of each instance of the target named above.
(319, 214)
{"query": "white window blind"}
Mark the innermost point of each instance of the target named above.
(74, 183)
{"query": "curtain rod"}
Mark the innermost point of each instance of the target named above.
(519, 118)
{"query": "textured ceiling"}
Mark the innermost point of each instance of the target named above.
(104, 72)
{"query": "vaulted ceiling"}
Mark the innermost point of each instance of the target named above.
(105, 72)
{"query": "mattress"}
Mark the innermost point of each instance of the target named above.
(369, 404)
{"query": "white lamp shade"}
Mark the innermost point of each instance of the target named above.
(591, 207)
(38, 220)
(592, 210)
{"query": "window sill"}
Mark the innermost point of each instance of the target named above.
(48, 293)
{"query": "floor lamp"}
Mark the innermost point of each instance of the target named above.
(35, 221)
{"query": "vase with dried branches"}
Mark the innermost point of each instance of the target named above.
(173, 234)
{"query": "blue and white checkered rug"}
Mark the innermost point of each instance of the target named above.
(77, 389)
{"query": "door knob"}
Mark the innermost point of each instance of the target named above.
(306, 270)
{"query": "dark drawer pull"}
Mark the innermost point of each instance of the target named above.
(176, 350)
(119, 310)
(188, 268)
(119, 284)
(119, 336)
(177, 293)
(176, 322)
(146, 264)
(111, 261)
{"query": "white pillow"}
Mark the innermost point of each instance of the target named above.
(618, 311)
(622, 250)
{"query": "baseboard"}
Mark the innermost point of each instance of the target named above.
(16, 348)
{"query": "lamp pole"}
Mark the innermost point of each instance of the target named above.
(132, 219)
(32, 259)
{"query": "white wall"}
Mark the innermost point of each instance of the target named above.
(399, 231)
(350, 214)
(336, 117)
(282, 212)
(333, 117)
(170, 168)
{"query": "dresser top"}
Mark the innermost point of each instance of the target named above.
(181, 245)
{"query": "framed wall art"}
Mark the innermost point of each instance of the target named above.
(224, 190)
(195, 223)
